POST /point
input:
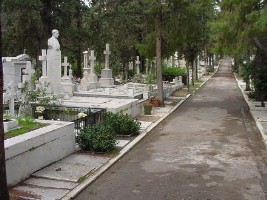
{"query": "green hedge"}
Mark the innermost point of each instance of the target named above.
(102, 137)
(123, 124)
(97, 138)
(174, 71)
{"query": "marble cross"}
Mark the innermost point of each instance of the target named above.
(137, 62)
(29, 72)
(92, 59)
(43, 58)
(107, 53)
(65, 64)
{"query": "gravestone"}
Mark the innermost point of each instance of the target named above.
(43, 58)
(147, 66)
(176, 81)
(65, 64)
(13, 69)
(92, 78)
(28, 73)
(66, 81)
(85, 79)
(10, 97)
(106, 79)
(137, 64)
(130, 65)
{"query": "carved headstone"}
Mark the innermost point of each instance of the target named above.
(67, 85)
(137, 63)
(84, 80)
(92, 78)
(106, 79)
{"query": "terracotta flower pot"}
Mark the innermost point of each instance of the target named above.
(155, 102)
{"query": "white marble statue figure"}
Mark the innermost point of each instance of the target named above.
(53, 41)
(54, 62)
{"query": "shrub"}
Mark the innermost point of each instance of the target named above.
(97, 137)
(174, 71)
(123, 124)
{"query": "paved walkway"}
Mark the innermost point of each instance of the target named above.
(207, 149)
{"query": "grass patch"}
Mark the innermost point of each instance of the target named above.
(81, 179)
(25, 125)
(194, 87)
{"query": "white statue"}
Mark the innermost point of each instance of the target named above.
(53, 41)
(54, 62)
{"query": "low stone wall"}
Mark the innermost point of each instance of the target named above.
(10, 125)
(34, 150)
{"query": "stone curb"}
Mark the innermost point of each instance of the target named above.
(258, 123)
(72, 194)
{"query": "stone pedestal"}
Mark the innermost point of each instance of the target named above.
(92, 81)
(67, 86)
(44, 79)
(54, 69)
(84, 80)
(106, 79)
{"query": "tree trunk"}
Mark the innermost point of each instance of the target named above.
(46, 20)
(205, 56)
(79, 53)
(259, 73)
(125, 71)
(188, 76)
(3, 182)
(193, 72)
(158, 28)
(196, 69)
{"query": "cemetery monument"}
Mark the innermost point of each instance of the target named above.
(54, 62)
(106, 79)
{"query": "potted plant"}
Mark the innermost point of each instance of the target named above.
(155, 102)
(39, 111)
(148, 108)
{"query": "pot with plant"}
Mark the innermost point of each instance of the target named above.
(155, 102)
(39, 112)
(147, 108)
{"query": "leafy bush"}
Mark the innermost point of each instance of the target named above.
(97, 137)
(173, 71)
(123, 124)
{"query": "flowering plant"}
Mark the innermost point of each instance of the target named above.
(39, 109)
(81, 114)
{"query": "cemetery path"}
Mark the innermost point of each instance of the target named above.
(207, 149)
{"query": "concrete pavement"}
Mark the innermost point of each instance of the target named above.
(208, 148)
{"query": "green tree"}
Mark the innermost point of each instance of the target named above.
(240, 30)
(3, 181)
